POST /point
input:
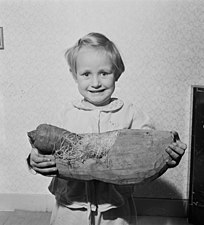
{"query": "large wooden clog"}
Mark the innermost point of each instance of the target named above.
(126, 156)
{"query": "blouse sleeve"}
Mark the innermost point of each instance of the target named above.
(141, 120)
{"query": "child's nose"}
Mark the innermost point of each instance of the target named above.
(96, 82)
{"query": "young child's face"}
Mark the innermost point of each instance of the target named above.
(95, 76)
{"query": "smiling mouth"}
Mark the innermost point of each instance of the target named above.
(97, 91)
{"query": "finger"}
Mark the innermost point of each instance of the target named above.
(176, 147)
(35, 152)
(181, 145)
(43, 158)
(46, 171)
(176, 139)
(175, 135)
(39, 159)
(172, 163)
(51, 175)
(174, 155)
(36, 157)
(43, 155)
(44, 164)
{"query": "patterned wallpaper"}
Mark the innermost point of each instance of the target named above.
(161, 43)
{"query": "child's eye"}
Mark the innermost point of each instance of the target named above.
(103, 74)
(86, 74)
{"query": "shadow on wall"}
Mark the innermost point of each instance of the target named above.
(159, 198)
(159, 188)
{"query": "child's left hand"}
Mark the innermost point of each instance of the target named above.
(175, 150)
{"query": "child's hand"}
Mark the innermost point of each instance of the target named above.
(175, 150)
(43, 164)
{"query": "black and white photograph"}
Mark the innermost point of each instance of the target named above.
(102, 112)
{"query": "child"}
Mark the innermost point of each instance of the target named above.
(96, 65)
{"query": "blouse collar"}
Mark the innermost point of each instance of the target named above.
(114, 105)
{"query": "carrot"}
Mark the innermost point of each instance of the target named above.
(120, 157)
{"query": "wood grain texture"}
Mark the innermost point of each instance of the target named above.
(137, 156)
(127, 156)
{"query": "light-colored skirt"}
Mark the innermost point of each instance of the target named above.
(124, 215)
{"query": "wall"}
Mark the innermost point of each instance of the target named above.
(162, 46)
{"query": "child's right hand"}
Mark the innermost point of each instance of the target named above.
(43, 164)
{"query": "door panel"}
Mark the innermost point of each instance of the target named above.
(196, 194)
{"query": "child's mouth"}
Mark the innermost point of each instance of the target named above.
(97, 91)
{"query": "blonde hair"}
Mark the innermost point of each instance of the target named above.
(99, 41)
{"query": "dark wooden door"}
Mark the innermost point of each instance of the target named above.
(196, 192)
